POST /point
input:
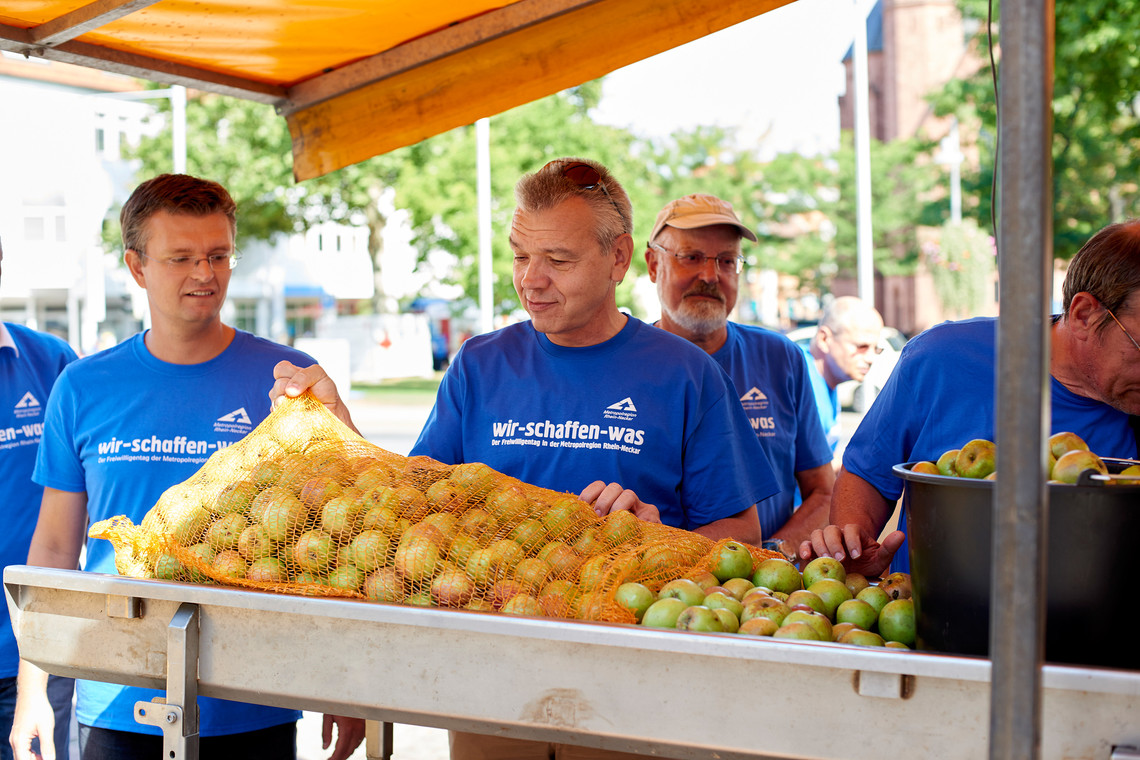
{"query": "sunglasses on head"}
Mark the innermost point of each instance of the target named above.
(588, 178)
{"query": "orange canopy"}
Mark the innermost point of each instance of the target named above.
(356, 78)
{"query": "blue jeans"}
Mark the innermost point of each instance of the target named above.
(59, 691)
(273, 743)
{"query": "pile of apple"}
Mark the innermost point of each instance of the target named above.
(1069, 456)
(823, 603)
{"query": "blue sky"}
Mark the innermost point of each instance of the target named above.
(778, 75)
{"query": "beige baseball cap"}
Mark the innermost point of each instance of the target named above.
(698, 210)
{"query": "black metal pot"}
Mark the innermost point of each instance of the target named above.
(1092, 571)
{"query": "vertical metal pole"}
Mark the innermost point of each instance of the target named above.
(865, 251)
(178, 126)
(1021, 496)
(483, 185)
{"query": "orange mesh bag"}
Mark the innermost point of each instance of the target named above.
(304, 505)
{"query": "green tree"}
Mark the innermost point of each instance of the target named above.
(1096, 118)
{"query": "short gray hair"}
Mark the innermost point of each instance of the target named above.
(548, 187)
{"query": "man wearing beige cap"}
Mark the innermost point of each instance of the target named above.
(694, 257)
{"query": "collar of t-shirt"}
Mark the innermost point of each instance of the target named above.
(6, 339)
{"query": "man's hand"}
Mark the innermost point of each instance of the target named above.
(613, 498)
(33, 717)
(290, 381)
(854, 547)
(349, 735)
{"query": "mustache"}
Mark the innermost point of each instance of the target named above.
(705, 289)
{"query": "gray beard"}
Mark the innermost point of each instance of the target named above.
(699, 320)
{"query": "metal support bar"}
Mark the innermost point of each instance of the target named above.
(177, 714)
(378, 740)
(1021, 495)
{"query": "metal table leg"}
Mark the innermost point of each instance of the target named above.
(377, 740)
(177, 714)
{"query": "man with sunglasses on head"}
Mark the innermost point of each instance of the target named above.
(843, 348)
(124, 424)
(942, 394)
(694, 257)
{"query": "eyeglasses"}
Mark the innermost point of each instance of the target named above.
(1122, 327)
(588, 178)
(218, 262)
(695, 262)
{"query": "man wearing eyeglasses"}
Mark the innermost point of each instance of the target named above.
(124, 424)
(694, 257)
(941, 395)
(843, 348)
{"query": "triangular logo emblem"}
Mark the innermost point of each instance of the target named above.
(754, 395)
(27, 401)
(237, 416)
(625, 405)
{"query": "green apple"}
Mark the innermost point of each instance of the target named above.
(823, 567)
(798, 630)
(634, 597)
(684, 589)
(758, 627)
(732, 560)
(267, 570)
(766, 607)
(528, 534)
(660, 561)
(896, 621)
(316, 491)
(384, 585)
(833, 593)
(816, 620)
(557, 598)
(704, 579)
(1071, 464)
(230, 563)
(314, 551)
(778, 575)
(858, 613)
(563, 560)
(346, 577)
(478, 522)
(1064, 442)
(856, 582)
(473, 478)
(167, 567)
(699, 618)
(925, 467)
(738, 587)
(283, 518)
(840, 629)
(730, 622)
(532, 573)
(874, 596)
(266, 473)
(808, 599)
(522, 604)
(946, 463)
(380, 518)
(462, 546)
(254, 542)
(369, 550)
(565, 516)
(586, 544)
(619, 527)
(754, 593)
(719, 600)
(416, 559)
(895, 645)
(340, 515)
(235, 497)
(205, 554)
(446, 522)
(444, 494)
(976, 459)
(663, 613)
(452, 588)
(507, 504)
(225, 532)
(862, 638)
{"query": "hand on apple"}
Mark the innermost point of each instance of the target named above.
(349, 735)
(854, 547)
(613, 498)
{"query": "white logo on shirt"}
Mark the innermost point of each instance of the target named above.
(621, 410)
(27, 400)
(754, 395)
(237, 416)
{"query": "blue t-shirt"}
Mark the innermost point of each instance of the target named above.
(826, 401)
(645, 409)
(941, 395)
(776, 393)
(28, 369)
(123, 427)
